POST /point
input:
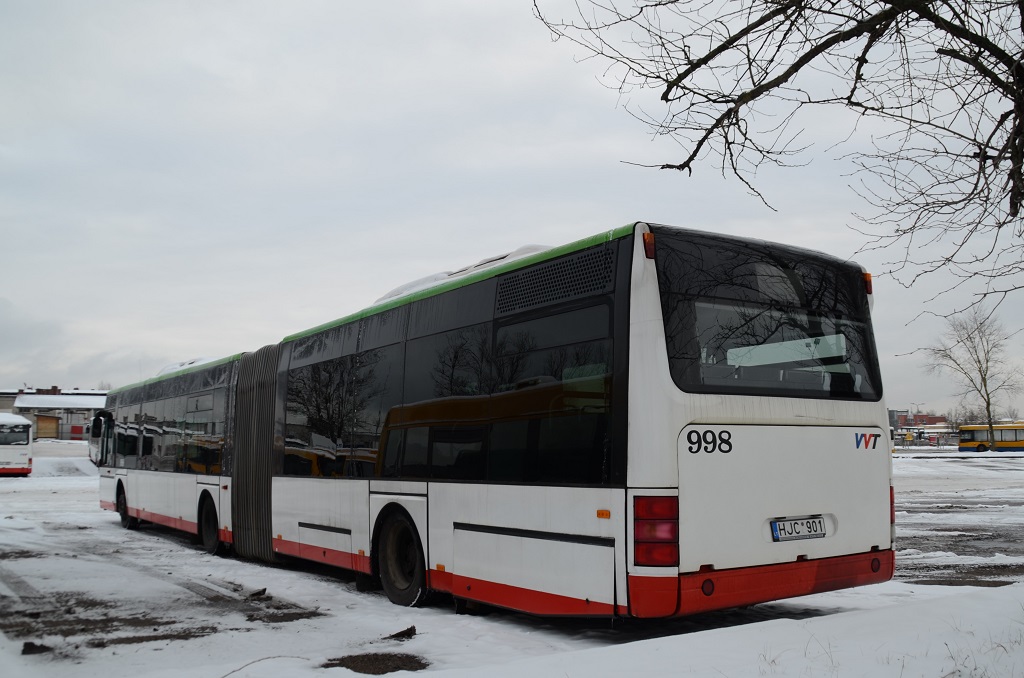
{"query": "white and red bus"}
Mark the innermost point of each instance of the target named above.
(650, 422)
(15, 445)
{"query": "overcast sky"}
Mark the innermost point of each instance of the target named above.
(185, 179)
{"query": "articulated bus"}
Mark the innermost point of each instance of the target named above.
(651, 422)
(1009, 437)
(15, 445)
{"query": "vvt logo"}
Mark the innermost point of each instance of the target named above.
(867, 441)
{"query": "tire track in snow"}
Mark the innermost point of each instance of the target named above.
(18, 586)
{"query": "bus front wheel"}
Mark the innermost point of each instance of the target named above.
(127, 522)
(982, 448)
(400, 560)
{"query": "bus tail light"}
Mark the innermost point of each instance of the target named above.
(867, 283)
(656, 531)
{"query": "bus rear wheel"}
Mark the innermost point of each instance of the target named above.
(982, 448)
(127, 521)
(400, 561)
(209, 528)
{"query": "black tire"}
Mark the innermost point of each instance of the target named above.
(209, 528)
(127, 522)
(982, 448)
(400, 561)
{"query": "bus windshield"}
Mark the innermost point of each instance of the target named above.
(14, 435)
(754, 318)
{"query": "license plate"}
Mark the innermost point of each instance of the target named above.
(791, 529)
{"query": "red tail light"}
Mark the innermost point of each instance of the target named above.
(656, 531)
(868, 287)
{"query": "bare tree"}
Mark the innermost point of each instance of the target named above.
(957, 417)
(973, 351)
(964, 413)
(936, 85)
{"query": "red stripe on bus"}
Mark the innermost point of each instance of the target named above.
(750, 585)
(653, 596)
(439, 581)
(176, 523)
(321, 554)
(224, 535)
(527, 600)
(14, 471)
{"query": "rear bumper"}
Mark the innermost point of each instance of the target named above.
(15, 470)
(696, 592)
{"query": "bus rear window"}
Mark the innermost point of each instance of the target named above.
(762, 319)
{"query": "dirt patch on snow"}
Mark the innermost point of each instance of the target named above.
(68, 616)
(181, 634)
(378, 663)
(18, 555)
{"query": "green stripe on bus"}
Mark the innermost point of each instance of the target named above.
(178, 373)
(552, 253)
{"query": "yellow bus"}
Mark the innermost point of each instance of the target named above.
(1009, 437)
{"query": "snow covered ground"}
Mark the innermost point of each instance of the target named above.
(93, 599)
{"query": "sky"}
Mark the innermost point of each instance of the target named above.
(109, 603)
(195, 179)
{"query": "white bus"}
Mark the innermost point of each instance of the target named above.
(650, 422)
(15, 445)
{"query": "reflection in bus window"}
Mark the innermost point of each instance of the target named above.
(454, 363)
(339, 405)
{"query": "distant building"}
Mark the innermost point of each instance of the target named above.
(7, 397)
(919, 420)
(54, 413)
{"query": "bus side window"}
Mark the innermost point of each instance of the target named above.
(414, 456)
(392, 453)
(456, 453)
(508, 448)
(570, 449)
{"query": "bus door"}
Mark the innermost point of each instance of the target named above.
(100, 436)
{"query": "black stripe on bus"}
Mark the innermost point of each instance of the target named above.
(400, 494)
(326, 528)
(536, 534)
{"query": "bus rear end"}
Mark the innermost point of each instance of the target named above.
(759, 464)
(15, 445)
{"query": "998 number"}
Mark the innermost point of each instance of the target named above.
(709, 441)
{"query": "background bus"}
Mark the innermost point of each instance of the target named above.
(650, 422)
(1009, 437)
(15, 445)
